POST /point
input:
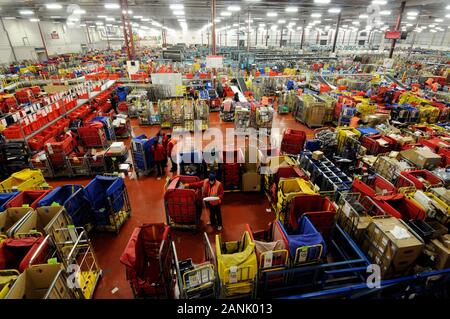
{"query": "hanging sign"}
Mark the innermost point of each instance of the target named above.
(214, 61)
(54, 35)
(392, 35)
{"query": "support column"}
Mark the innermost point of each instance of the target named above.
(213, 29)
(281, 36)
(248, 31)
(302, 39)
(42, 38)
(336, 32)
(107, 38)
(397, 27)
(9, 40)
(267, 35)
(127, 31)
(256, 36)
(237, 32)
(88, 35)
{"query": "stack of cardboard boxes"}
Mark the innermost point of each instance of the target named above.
(422, 157)
(391, 244)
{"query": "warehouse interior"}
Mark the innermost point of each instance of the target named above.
(220, 149)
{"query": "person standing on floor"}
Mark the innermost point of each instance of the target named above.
(114, 101)
(160, 157)
(170, 146)
(355, 120)
(211, 187)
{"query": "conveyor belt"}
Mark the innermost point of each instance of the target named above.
(241, 84)
(322, 80)
(391, 78)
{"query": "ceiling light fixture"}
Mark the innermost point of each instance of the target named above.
(26, 12)
(234, 8)
(322, 1)
(385, 12)
(177, 6)
(53, 6)
(291, 9)
(34, 20)
(79, 11)
(226, 14)
(379, 2)
(412, 13)
(178, 13)
(112, 6)
(316, 15)
(411, 17)
(272, 14)
(334, 10)
(439, 20)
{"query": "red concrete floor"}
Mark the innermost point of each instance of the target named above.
(146, 196)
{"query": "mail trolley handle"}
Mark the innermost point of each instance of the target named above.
(39, 249)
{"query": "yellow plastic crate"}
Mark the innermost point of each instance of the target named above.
(26, 179)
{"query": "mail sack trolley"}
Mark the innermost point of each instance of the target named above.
(43, 281)
(237, 267)
(271, 249)
(26, 179)
(183, 206)
(288, 189)
(72, 198)
(142, 154)
(74, 249)
(109, 201)
(10, 218)
(292, 142)
(42, 222)
(197, 280)
(345, 264)
(148, 259)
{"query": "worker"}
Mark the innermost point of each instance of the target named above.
(114, 101)
(170, 146)
(211, 187)
(435, 86)
(355, 120)
(160, 157)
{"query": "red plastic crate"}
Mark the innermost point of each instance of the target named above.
(28, 197)
(13, 132)
(36, 143)
(63, 146)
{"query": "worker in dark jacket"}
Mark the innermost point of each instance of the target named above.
(114, 101)
(211, 187)
(160, 157)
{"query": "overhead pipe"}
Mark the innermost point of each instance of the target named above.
(9, 40)
(336, 32)
(397, 27)
(43, 41)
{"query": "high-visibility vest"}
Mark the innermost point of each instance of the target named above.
(209, 191)
(354, 122)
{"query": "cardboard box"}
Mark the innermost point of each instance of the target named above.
(35, 282)
(422, 158)
(317, 155)
(251, 182)
(391, 244)
(442, 249)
